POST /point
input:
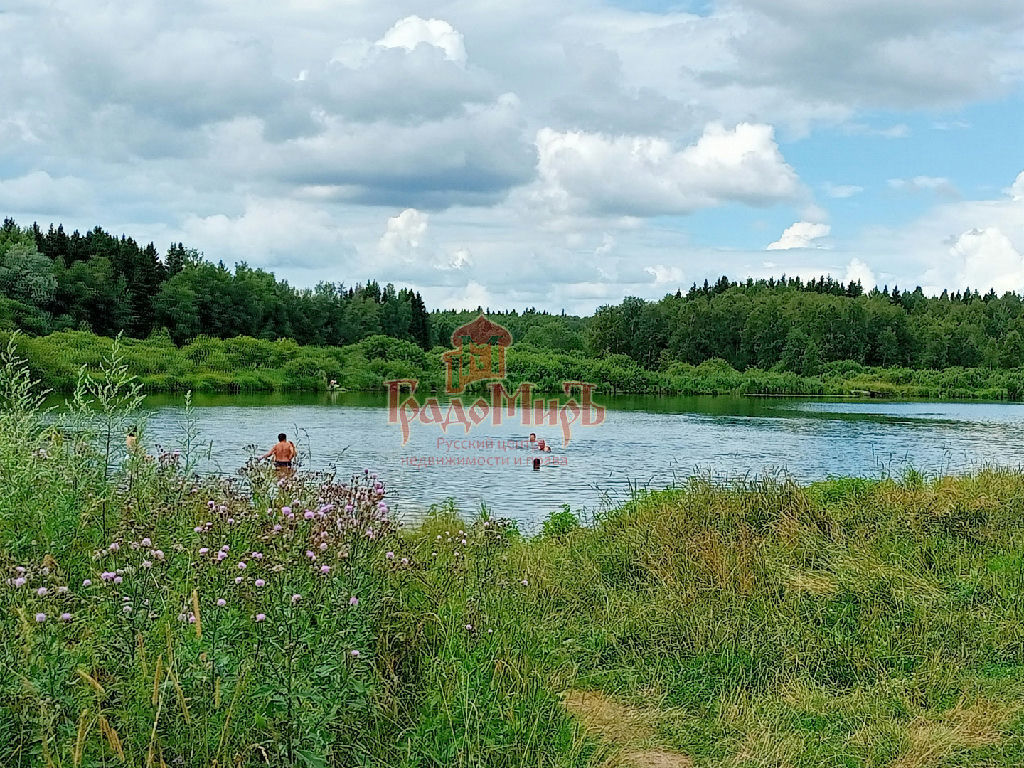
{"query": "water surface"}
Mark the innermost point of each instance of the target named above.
(643, 442)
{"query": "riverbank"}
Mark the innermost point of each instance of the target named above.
(156, 617)
(247, 365)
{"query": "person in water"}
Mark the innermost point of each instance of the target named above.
(533, 438)
(131, 440)
(284, 452)
(542, 446)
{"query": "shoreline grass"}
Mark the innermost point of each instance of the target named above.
(848, 622)
(248, 365)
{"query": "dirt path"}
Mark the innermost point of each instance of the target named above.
(626, 728)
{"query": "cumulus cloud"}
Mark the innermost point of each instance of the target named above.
(858, 270)
(413, 31)
(647, 176)
(988, 259)
(802, 234)
(39, 191)
(406, 240)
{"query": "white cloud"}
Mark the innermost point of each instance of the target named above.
(647, 176)
(802, 234)
(1016, 190)
(412, 31)
(940, 185)
(665, 275)
(987, 259)
(841, 191)
(858, 270)
(39, 191)
(405, 233)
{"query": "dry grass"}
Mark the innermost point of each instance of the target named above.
(962, 727)
(627, 729)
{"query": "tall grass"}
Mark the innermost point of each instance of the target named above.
(153, 617)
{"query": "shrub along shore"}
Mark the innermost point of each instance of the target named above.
(154, 617)
(246, 364)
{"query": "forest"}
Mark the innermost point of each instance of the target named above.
(52, 282)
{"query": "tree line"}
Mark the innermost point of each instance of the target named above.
(52, 281)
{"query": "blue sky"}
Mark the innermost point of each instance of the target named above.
(560, 156)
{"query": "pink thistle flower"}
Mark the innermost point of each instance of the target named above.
(65, 617)
(525, 582)
(469, 627)
(325, 569)
(20, 581)
(20, 569)
(222, 555)
(40, 618)
(390, 556)
(118, 579)
(204, 550)
(42, 591)
(405, 561)
(257, 555)
(114, 547)
(221, 602)
(238, 579)
(198, 529)
(147, 564)
(354, 653)
(261, 617)
(286, 510)
(296, 598)
(210, 504)
(353, 601)
(87, 582)
(241, 565)
(278, 529)
(147, 542)
(260, 583)
(308, 515)
(323, 546)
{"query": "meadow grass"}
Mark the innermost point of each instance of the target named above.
(153, 617)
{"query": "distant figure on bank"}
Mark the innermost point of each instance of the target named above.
(284, 452)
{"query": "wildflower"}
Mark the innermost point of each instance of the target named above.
(323, 546)
(65, 617)
(260, 583)
(147, 564)
(222, 555)
(308, 515)
(405, 561)
(231, 521)
(127, 609)
(469, 627)
(349, 508)
(158, 554)
(40, 618)
(277, 529)
(286, 510)
(310, 554)
(118, 579)
(238, 579)
(114, 547)
(210, 504)
(241, 565)
(225, 548)
(463, 542)
(325, 569)
(87, 582)
(257, 555)
(198, 529)
(261, 616)
(390, 555)
(146, 542)
(62, 590)
(353, 601)
(42, 591)
(296, 598)
(20, 581)
(354, 653)
(525, 582)
(221, 602)
(204, 550)
(20, 569)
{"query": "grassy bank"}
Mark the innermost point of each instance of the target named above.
(152, 617)
(245, 364)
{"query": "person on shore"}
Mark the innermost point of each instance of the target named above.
(284, 452)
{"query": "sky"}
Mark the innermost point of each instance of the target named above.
(529, 154)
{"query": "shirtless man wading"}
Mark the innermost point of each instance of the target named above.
(284, 452)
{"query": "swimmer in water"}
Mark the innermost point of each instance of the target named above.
(543, 447)
(284, 452)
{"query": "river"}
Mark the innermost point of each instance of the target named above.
(643, 442)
